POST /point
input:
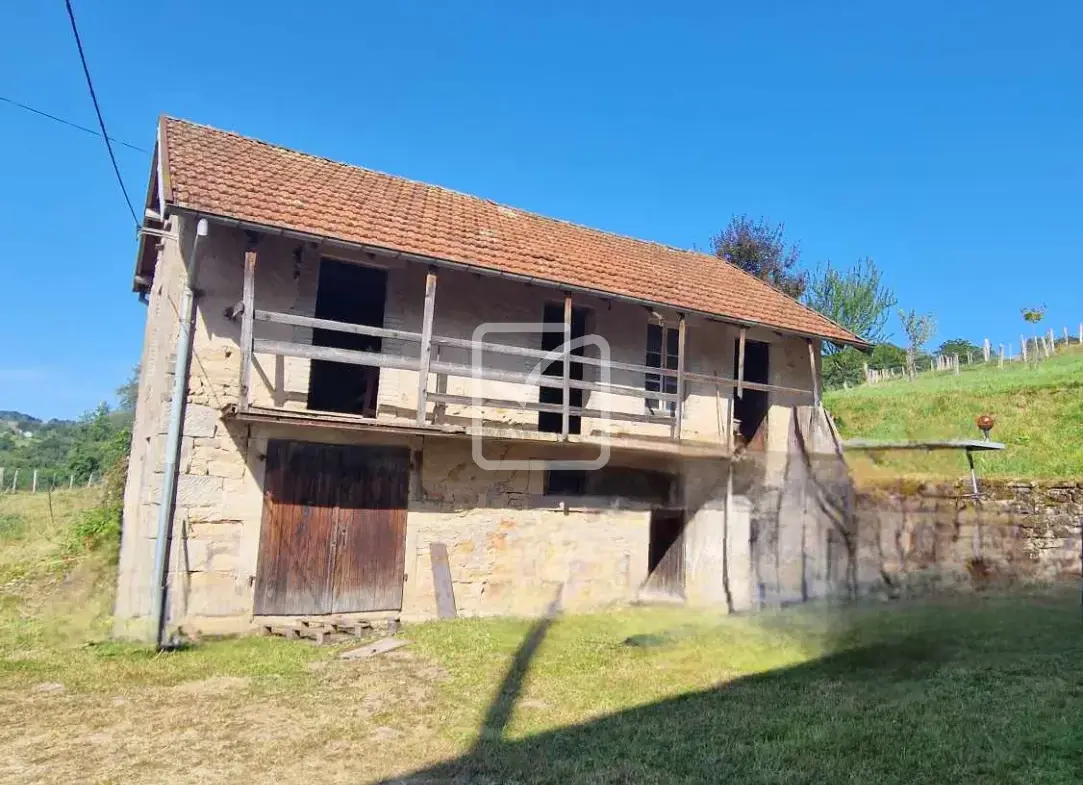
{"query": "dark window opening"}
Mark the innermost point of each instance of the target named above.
(354, 294)
(552, 338)
(659, 336)
(643, 485)
(665, 554)
(751, 410)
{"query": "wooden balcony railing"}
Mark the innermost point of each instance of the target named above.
(425, 364)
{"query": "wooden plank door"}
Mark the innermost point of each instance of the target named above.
(296, 550)
(371, 517)
(665, 557)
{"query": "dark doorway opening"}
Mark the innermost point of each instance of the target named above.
(354, 294)
(751, 410)
(553, 317)
(665, 554)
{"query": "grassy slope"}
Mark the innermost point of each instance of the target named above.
(978, 690)
(1039, 414)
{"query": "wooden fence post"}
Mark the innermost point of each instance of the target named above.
(426, 345)
(740, 363)
(985, 350)
(955, 364)
(565, 414)
(1023, 347)
(71, 481)
(15, 481)
(678, 410)
(1000, 359)
(34, 482)
(248, 316)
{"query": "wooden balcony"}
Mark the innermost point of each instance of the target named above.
(654, 421)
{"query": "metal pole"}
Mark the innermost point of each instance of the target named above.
(167, 500)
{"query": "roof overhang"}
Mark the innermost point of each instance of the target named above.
(284, 231)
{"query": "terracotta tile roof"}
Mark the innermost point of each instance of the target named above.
(222, 173)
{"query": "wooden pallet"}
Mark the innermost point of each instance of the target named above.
(328, 629)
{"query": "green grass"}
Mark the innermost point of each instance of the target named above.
(1038, 411)
(976, 689)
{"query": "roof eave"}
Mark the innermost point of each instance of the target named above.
(286, 231)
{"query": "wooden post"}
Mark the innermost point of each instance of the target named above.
(1067, 340)
(90, 479)
(740, 363)
(248, 298)
(969, 358)
(985, 350)
(1052, 341)
(955, 364)
(1023, 346)
(1000, 359)
(34, 482)
(71, 480)
(678, 410)
(15, 481)
(566, 401)
(426, 345)
(1, 479)
(1081, 333)
(815, 373)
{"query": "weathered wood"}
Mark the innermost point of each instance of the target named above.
(426, 345)
(556, 408)
(725, 381)
(248, 301)
(441, 581)
(541, 354)
(815, 372)
(741, 363)
(349, 356)
(385, 360)
(985, 349)
(297, 320)
(334, 529)
(678, 412)
(34, 482)
(566, 399)
(1023, 346)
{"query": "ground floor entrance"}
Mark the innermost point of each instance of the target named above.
(333, 533)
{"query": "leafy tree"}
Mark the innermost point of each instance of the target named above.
(959, 346)
(887, 355)
(856, 299)
(919, 329)
(760, 248)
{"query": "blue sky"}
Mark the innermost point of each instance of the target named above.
(942, 139)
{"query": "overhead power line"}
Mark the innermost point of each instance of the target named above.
(98, 111)
(69, 123)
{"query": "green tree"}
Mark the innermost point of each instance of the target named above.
(919, 328)
(959, 346)
(759, 247)
(855, 298)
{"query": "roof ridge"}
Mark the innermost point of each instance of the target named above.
(456, 192)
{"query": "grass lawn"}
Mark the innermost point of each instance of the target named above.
(981, 689)
(1039, 413)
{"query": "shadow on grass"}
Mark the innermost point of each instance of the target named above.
(985, 694)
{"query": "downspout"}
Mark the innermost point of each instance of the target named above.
(168, 498)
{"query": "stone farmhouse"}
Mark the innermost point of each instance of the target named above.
(363, 395)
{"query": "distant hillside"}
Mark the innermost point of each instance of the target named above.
(1039, 416)
(61, 449)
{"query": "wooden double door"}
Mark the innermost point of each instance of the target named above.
(333, 534)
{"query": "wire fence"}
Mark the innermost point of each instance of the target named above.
(22, 480)
(1029, 349)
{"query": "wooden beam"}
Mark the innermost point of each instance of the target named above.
(384, 360)
(297, 320)
(426, 345)
(441, 581)
(535, 406)
(539, 354)
(566, 400)
(741, 364)
(815, 373)
(678, 412)
(248, 304)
